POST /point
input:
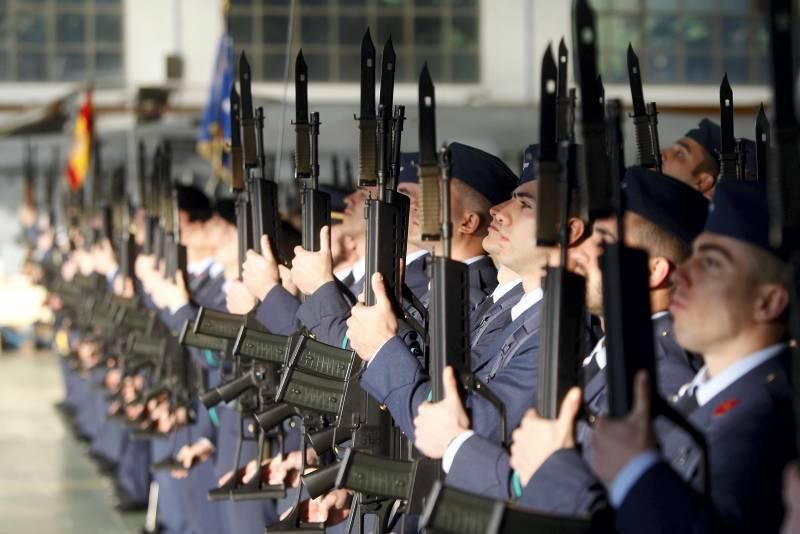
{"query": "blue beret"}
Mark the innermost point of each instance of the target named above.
(337, 195)
(709, 135)
(530, 164)
(670, 204)
(739, 210)
(408, 168)
(485, 173)
(193, 201)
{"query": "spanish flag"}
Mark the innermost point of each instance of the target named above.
(80, 155)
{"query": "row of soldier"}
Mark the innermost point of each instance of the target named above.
(451, 346)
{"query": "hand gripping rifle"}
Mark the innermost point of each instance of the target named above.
(645, 118)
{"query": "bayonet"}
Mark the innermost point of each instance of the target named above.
(763, 142)
(593, 125)
(366, 122)
(647, 149)
(237, 161)
(430, 215)
(247, 118)
(549, 169)
(562, 95)
(727, 151)
(303, 140)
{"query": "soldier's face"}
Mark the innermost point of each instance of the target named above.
(353, 223)
(682, 159)
(511, 239)
(411, 190)
(585, 261)
(714, 293)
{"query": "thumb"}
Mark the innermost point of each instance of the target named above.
(381, 299)
(570, 406)
(266, 247)
(179, 278)
(641, 395)
(325, 239)
(450, 385)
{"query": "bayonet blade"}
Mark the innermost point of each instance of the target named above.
(246, 115)
(367, 77)
(563, 129)
(301, 89)
(563, 64)
(635, 79)
(237, 163)
(302, 154)
(388, 63)
(430, 205)
(547, 108)
(727, 139)
(763, 142)
(586, 66)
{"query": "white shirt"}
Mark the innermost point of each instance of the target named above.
(528, 299)
(414, 256)
(197, 267)
(502, 289)
(215, 270)
(359, 269)
(341, 275)
(706, 388)
(473, 259)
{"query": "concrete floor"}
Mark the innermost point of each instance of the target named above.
(48, 485)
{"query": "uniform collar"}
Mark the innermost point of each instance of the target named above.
(414, 256)
(502, 289)
(706, 388)
(528, 299)
(215, 270)
(599, 351)
(359, 269)
(344, 273)
(473, 259)
(200, 266)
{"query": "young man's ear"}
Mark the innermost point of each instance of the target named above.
(470, 223)
(771, 302)
(661, 270)
(704, 182)
(578, 230)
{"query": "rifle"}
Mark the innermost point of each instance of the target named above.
(564, 292)
(783, 188)
(727, 152)
(367, 158)
(645, 118)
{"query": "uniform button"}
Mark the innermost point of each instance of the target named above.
(664, 333)
(770, 377)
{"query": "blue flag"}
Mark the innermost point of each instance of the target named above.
(214, 137)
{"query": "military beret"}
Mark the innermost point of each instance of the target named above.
(337, 194)
(709, 135)
(739, 209)
(193, 201)
(226, 209)
(485, 173)
(530, 164)
(668, 203)
(408, 168)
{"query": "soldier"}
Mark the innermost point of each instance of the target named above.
(730, 305)
(692, 159)
(653, 224)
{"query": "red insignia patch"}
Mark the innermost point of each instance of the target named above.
(725, 406)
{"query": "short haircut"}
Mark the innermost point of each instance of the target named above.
(657, 241)
(707, 165)
(473, 201)
(767, 268)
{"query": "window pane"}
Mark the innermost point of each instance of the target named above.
(107, 2)
(318, 66)
(662, 66)
(434, 66)
(31, 66)
(426, 3)
(108, 28)
(626, 5)
(614, 67)
(69, 67)
(427, 30)
(274, 28)
(30, 28)
(736, 6)
(700, 69)
(661, 5)
(663, 30)
(351, 30)
(698, 32)
(350, 68)
(274, 65)
(735, 34)
(5, 73)
(700, 5)
(465, 32)
(466, 4)
(241, 28)
(464, 68)
(314, 3)
(738, 69)
(70, 28)
(361, 3)
(314, 30)
(392, 25)
(108, 66)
